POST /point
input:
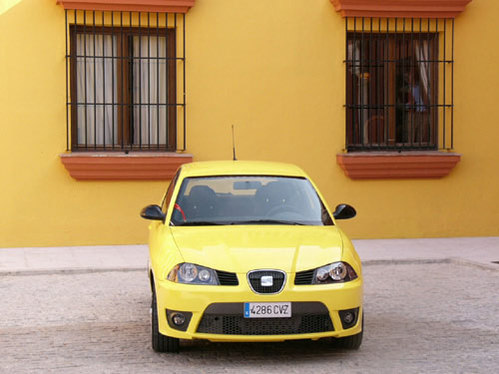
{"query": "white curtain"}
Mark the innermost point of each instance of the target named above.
(354, 56)
(95, 88)
(149, 90)
(363, 87)
(422, 53)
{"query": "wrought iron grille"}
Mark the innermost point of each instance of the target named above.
(399, 84)
(125, 81)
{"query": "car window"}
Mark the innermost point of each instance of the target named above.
(239, 200)
(169, 193)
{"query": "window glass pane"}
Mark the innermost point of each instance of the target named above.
(96, 89)
(391, 90)
(123, 86)
(150, 90)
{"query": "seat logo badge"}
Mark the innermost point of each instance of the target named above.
(267, 281)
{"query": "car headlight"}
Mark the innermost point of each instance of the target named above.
(335, 272)
(193, 274)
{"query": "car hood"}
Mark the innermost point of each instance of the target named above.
(243, 248)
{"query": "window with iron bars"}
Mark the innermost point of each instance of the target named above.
(125, 75)
(399, 84)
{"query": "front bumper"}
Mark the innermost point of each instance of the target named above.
(216, 312)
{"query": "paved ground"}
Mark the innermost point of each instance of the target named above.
(420, 318)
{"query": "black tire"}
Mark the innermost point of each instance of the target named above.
(160, 342)
(351, 342)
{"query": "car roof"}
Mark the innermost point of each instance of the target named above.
(208, 168)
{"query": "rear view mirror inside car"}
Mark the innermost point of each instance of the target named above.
(247, 185)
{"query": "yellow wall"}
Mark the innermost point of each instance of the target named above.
(275, 70)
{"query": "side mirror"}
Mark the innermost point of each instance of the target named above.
(344, 211)
(153, 212)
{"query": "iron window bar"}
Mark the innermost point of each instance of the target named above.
(125, 74)
(399, 84)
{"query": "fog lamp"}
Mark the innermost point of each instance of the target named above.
(348, 317)
(178, 319)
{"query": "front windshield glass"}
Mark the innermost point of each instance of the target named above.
(247, 200)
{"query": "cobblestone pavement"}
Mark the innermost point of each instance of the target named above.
(420, 318)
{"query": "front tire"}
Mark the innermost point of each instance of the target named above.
(351, 342)
(160, 342)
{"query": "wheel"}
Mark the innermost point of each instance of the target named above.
(352, 342)
(160, 342)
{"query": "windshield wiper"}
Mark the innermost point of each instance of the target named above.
(249, 222)
(267, 222)
(199, 223)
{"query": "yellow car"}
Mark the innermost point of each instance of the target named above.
(246, 251)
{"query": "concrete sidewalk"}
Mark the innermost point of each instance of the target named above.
(481, 251)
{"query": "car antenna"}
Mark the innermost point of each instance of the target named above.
(233, 146)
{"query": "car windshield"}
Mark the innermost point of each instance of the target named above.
(248, 200)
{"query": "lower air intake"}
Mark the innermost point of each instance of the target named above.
(307, 318)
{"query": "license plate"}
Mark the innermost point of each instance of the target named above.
(267, 310)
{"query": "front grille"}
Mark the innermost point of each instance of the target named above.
(307, 318)
(238, 325)
(278, 279)
(304, 277)
(227, 279)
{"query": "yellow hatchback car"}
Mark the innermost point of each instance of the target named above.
(246, 251)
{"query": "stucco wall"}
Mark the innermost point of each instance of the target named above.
(273, 69)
